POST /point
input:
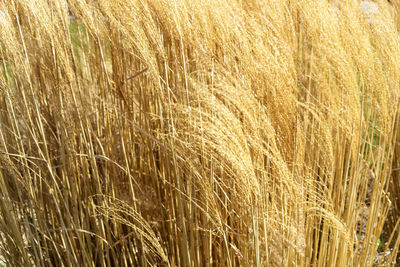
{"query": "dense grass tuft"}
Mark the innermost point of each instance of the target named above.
(199, 133)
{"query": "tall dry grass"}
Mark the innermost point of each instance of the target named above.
(199, 133)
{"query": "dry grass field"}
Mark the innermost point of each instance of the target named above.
(199, 133)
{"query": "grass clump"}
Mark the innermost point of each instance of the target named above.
(197, 133)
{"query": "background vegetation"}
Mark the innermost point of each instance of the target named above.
(199, 133)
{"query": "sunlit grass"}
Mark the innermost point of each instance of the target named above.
(198, 133)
